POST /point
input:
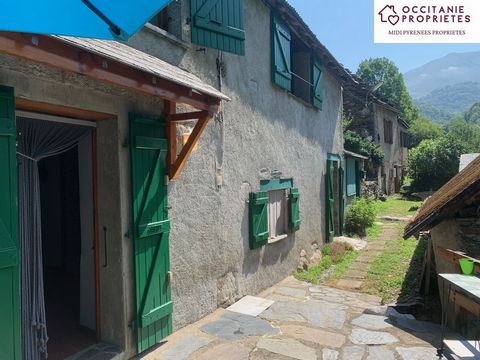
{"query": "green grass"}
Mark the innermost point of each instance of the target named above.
(313, 274)
(396, 206)
(342, 267)
(394, 274)
(374, 232)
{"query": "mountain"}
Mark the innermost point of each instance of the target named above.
(454, 98)
(446, 87)
(433, 113)
(449, 70)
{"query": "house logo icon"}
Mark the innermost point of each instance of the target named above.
(388, 14)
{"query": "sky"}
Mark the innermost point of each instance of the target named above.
(345, 27)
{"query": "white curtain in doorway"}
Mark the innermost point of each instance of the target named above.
(36, 140)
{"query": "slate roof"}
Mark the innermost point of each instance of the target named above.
(144, 62)
(461, 191)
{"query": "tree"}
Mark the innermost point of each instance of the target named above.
(433, 162)
(374, 71)
(466, 133)
(423, 129)
(357, 144)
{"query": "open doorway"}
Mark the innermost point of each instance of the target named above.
(65, 187)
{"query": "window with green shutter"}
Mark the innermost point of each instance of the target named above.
(218, 24)
(273, 211)
(317, 86)
(281, 61)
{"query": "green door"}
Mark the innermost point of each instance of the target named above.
(154, 307)
(341, 205)
(10, 341)
(330, 229)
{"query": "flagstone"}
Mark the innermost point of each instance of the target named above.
(288, 347)
(368, 337)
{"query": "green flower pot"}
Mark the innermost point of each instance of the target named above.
(467, 266)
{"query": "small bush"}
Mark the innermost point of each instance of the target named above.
(360, 216)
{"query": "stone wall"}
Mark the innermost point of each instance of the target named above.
(265, 131)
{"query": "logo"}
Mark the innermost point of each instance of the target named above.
(388, 14)
(427, 21)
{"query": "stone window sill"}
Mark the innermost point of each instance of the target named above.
(167, 36)
(277, 238)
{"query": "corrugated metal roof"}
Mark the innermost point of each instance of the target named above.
(460, 191)
(141, 61)
(355, 155)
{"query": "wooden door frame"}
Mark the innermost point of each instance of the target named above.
(77, 115)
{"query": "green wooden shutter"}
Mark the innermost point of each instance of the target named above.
(294, 209)
(10, 340)
(317, 87)
(281, 61)
(218, 24)
(330, 230)
(351, 177)
(341, 206)
(150, 232)
(358, 177)
(258, 219)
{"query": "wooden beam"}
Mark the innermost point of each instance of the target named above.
(465, 302)
(63, 56)
(171, 109)
(60, 110)
(188, 147)
(187, 116)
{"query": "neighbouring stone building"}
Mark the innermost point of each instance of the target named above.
(452, 219)
(209, 155)
(376, 120)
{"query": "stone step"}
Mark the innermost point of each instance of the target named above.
(365, 260)
(359, 266)
(353, 274)
(347, 284)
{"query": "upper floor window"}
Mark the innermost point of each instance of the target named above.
(293, 66)
(388, 131)
(404, 139)
(161, 20)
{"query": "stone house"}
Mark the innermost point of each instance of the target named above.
(450, 216)
(378, 121)
(174, 174)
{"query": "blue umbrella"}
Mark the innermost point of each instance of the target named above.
(101, 19)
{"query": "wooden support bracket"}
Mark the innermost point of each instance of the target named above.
(186, 116)
(176, 166)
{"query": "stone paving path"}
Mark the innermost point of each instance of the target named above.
(354, 278)
(305, 322)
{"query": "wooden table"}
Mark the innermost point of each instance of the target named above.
(464, 291)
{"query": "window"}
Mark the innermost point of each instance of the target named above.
(294, 67)
(388, 131)
(273, 212)
(277, 214)
(301, 69)
(161, 20)
(404, 139)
